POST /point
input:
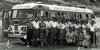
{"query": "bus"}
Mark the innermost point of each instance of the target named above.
(15, 22)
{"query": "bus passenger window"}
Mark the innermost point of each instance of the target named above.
(83, 16)
(70, 15)
(87, 17)
(80, 16)
(58, 14)
(75, 16)
(67, 16)
(45, 14)
(92, 16)
(53, 14)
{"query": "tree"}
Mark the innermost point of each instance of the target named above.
(93, 1)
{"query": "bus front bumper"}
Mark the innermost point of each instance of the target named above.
(17, 35)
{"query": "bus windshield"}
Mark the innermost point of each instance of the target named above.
(23, 13)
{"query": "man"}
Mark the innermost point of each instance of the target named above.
(54, 31)
(50, 31)
(62, 34)
(46, 21)
(29, 33)
(36, 31)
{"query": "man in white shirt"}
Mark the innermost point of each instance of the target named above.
(54, 26)
(49, 31)
(36, 30)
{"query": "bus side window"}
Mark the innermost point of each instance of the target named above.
(80, 16)
(92, 16)
(70, 15)
(83, 16)
(45, 14)
(58, 14)
(67, 16)
(53, 14)
(75, 15)
(87, 16)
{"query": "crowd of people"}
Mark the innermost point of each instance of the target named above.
(51, 31)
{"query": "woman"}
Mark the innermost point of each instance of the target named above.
(93, 34)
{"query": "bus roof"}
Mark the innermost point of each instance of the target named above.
(52, 7)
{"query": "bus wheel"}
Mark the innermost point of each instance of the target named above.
(23, 40)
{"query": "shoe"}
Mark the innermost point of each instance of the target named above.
(28, 46)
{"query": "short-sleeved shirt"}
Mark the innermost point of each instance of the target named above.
(63, 26)
(54, 24)
(92, 28)
(66, 25)
(50, 24)
(88, 25)
(47, 24)
(59, 25)
(35, 24)
(84, 26)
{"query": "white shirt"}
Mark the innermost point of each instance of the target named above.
(84, 26)
(59, 25)
(92, 28)
(77, 26)
(63, 26)
(36, 24)
(66, 25)
(47, 23)
(88, 25)
(54, 24)
(50, 24)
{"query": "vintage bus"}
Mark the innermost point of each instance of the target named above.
(15, 23)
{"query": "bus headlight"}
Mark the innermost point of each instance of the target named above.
(9, 28)
(23, 28)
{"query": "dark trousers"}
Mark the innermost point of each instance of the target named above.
(54, 35)
(93, 37)
(36, 37)
(49, 36)
(29, 36)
